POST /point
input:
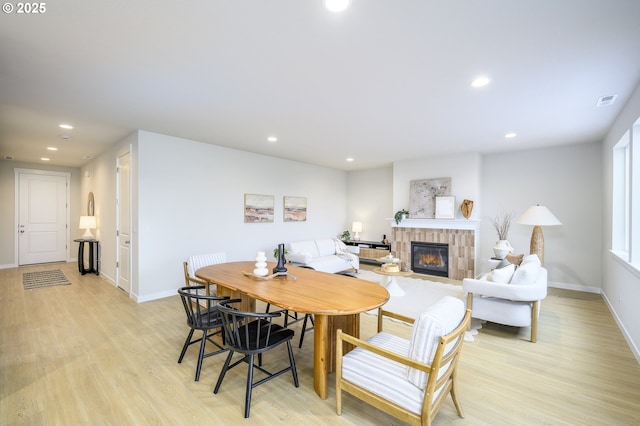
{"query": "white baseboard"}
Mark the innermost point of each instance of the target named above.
(154, 296)
(625, 333)
(7, 266)
(575, 287)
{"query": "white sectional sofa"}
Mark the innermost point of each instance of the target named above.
(326, 255)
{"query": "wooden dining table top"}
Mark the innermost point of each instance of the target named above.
(311, 292)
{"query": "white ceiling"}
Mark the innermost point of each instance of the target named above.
(385, 80)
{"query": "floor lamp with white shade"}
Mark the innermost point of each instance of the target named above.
(538, 216)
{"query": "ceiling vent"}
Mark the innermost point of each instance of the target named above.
(606, 100)
(8, 157)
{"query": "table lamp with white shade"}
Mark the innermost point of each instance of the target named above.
(87, 223)
(356, 228)
(538, 216)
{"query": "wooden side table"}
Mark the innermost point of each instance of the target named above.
(94, 256)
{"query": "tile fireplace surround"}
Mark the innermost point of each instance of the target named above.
(459, 235)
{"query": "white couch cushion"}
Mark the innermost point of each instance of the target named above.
(308, 247)
(303, 258)
(528, 271)
(438, 320)
(326, 247)
(502, 275)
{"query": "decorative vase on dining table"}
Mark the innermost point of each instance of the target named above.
(280, 268)
(261, 265)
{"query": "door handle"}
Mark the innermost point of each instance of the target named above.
(127, 242)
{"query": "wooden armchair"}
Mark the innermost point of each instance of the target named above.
(196, 262)
(409, 379)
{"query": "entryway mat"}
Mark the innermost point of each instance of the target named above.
(32, 280)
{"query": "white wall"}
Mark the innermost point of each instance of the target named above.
(463, 169)
(191, 200)
(621, 284)
(370, 200)
(566, 179)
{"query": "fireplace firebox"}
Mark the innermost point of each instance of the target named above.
(430, 258)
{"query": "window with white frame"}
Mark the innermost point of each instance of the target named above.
(625, 230)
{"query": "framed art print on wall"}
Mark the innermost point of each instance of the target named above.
(446, 207)
(258, 208)
(295, 209)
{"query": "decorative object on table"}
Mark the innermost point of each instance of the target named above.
(276, 253)
(87, 223)
(502, 222)
(258, 208)
(295, 209)
(345, 236)
(445, 207)
(356, 228)
(90, 204)
(538, 216)
(400, 215)
(422, 196)
(261, 265)
(466, 207)
(384, 239)
(280, 268)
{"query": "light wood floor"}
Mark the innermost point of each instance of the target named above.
(86, 354)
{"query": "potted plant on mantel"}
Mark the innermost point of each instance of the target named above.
(400, 215)
(501, 222)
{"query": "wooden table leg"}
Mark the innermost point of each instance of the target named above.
(247, 304)
(324, 346)
(321, 347)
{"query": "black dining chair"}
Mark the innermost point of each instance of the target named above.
(291, 317)
(250, 334)
(202, 314)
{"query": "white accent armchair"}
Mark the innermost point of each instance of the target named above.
(510, 295)
(409, 379)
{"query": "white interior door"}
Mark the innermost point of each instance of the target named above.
(124, 224)
(42, 216)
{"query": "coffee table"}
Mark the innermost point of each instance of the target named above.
(389, 282)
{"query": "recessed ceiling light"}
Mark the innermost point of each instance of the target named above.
(88, 157)
(510, 135)
(272, 139)
(66, 126)
(480, 81)
(336, 5)
(44, 159)
(52, 148)
(350, 159)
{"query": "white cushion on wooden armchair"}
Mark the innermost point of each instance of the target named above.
(196, 262)
(409, 379)
(516, 302)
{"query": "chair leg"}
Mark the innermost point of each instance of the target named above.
(186, 345)
(247, 397)
(304, 328)
(292, 363)
(454, 396)
(203, 343)
(225, 367)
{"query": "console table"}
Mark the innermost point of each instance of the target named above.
(94, 256)
(370, 251)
